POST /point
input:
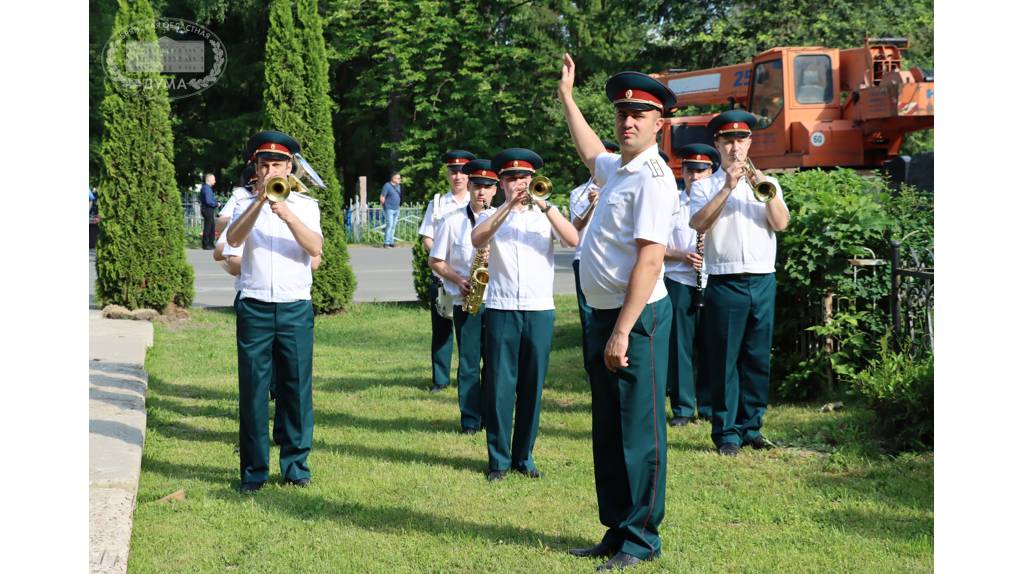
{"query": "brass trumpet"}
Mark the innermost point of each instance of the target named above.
(540, 188)
(764, 190)
(278, 188)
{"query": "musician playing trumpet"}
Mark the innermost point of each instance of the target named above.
(520, 319)
(274, 314)
(739, 302)
(451, 258)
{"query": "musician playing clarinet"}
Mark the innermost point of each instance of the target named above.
(683, 279)
(739, 302)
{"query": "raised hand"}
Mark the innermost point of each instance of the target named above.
(568, 77)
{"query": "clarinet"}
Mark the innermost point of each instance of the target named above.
(700, 276)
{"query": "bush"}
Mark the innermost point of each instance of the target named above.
(901, 391)
(420, 270)
(140, 251)
(836, 216)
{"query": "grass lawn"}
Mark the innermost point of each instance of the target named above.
(396, 489)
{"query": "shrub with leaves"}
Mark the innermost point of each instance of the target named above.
(901, 390)
(836, 216)
(140, 252)
(420, 270)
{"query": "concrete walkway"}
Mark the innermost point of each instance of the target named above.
(117, 430)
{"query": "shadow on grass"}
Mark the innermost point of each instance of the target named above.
(399, 520)
(399, 456)
(301, 503)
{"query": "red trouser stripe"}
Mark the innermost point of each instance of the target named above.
(654, 418)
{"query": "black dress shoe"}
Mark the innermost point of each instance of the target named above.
(761, 443)
(680, 421)
(599, 549)
(530, 473)
(300, 482)
(496, 475)
(728, 449)
(436, 389)
(618, 562)
(250, 487)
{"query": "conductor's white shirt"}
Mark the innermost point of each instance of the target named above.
(275, 268)
(638, 201)
(522, 262)
(454, 245)
(740, 240)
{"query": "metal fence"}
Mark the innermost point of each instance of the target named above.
(912, 301)
(367, 226)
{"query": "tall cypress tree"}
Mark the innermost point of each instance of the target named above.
(297, 102)
(140, 252)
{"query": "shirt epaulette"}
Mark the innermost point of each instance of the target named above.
(655, 167)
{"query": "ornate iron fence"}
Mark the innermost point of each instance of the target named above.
(912, 301)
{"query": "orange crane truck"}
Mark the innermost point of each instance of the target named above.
(815, 107)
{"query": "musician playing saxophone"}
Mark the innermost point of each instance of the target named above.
(451, 258)
(739, 302)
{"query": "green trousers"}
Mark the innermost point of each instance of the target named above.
(469, 335)
(274, 339)
(739, 310)
(516, 349)
(628, 426)
(440, 340)
(688, 391)
(586, 311)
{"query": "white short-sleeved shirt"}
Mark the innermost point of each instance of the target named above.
(740, 240)
(432, 217)
(275, 268)
(522, 262)
(454, 244)
(578, 204)
(683, 238)
(446, 204)
(229, 209)
(638, 201)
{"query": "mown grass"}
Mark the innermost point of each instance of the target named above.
(396, 489)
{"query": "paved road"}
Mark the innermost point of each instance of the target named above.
(382, 275)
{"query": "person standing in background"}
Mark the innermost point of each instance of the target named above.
(209, 207)
(390, 201)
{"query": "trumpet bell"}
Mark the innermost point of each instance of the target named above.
(764, 191)
(278, 189)
(540, 187)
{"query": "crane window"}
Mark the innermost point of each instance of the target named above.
(766, 99)
(813, 75)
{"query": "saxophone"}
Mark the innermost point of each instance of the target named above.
(478, 278)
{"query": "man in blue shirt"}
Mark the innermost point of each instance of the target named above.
(390, 200)
(209, 210)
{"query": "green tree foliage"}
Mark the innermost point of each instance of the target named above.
(297, 102)
(334, 282)
(410, 79)
(140, 257)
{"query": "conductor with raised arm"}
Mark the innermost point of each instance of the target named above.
(621, 275)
